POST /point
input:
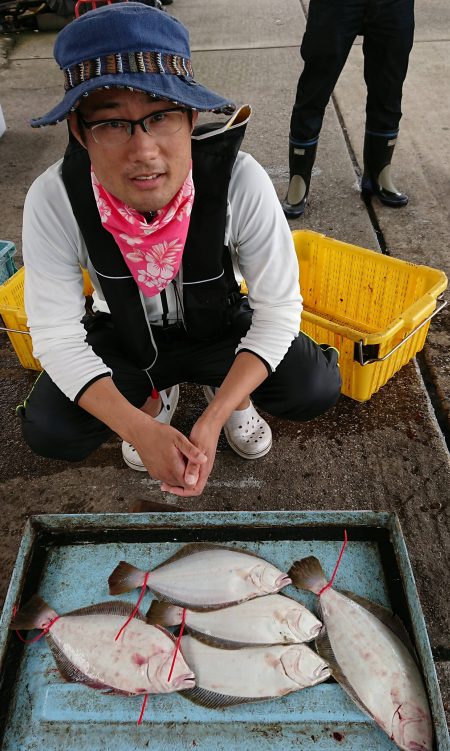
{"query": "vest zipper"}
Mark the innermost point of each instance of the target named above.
(165, 307)
(179, 302)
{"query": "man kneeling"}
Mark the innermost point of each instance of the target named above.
(165, 218)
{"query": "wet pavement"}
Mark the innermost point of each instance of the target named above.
(387, 454)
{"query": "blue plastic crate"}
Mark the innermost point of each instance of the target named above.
(7, 265)
(67, 558)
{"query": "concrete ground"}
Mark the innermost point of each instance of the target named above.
(387, 454)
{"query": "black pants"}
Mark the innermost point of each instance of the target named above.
(331, 29)
(305, 384)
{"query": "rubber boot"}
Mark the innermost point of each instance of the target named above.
(376, 180)
(302, 155)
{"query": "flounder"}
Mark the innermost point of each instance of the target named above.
(85, 650)
(225, 677)
(203, 576)
(369, 654)
(273, 619)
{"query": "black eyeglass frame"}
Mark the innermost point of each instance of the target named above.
(131, 123)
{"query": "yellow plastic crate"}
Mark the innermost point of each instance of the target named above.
(12, 310)
(374, 309)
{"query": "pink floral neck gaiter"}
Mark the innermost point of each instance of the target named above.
(153, 252)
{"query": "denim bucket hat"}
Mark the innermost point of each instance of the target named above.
(130, 45)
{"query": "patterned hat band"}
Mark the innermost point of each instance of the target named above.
(128, 62)
(147, 50)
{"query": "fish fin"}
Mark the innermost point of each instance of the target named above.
(166, 598)
(74, 675)
(189, 549)
(118, 692)
(184, 552)
(325, 650)
(165, 631)
(308, 574)
(68, 670)
(34, 614)
(164, 614)
(387, 617)
(355, 698)
(192, 606)
(212, 641)
(212, 546)
(211, 700)
(199, 547)
(124, 578)
(113, 607)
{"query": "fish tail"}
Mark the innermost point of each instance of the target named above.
(34, 614)
(124, 578)
(308, 574)
(164, 614)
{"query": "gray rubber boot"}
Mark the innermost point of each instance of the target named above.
(302, 156)
(377, 180)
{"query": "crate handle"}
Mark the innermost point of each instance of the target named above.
(360, 345)
(14, 331)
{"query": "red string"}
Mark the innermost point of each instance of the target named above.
(44, 631)
(144, 704)
(136, 607)
(155, 393)
(327, 586)
(177, 645)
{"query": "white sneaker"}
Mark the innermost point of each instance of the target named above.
(246, 432)
(169, 404)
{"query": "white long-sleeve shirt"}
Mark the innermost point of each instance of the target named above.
(261, 248)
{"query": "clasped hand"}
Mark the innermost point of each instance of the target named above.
(182, 464)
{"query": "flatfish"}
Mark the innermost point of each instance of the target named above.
(225, 677)
(203, 576)
(85, 650)
(273, 619)
(369, 654)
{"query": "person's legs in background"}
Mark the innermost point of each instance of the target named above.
(388, 40)
(331, 29)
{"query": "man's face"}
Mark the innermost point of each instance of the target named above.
(146, 172)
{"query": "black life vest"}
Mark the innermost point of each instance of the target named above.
(210, 291)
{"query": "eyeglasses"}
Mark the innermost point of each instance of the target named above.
(110, 133)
